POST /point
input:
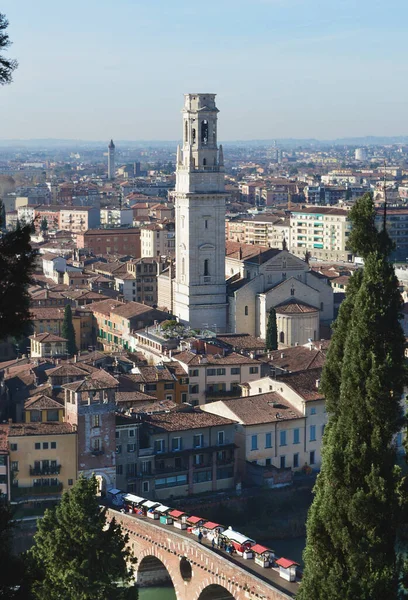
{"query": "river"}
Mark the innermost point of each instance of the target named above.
(157, 593)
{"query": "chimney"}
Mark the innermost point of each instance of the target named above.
(317, 383)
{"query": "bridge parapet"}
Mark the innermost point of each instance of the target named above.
(177, 549)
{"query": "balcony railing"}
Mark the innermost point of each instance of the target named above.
(36, 490)
(52, 470)
(146, 451)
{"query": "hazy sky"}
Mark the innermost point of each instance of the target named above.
(96, 69)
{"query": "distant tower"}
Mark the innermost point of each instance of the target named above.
(111, 160)
(199, 287)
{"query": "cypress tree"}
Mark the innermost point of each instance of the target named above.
(272, 331)
(68, 331)
(78, 555)
(352, 524)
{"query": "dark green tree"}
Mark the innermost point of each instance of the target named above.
(78, 554)
(12, 572)
(68, 331)
(7, 65)
(17, 260)
(352, 524)
(272, 331)
(44, 225)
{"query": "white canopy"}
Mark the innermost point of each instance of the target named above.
(113, 491)
(149, 504)
(161, 508)
(237, 537)
(132, 498)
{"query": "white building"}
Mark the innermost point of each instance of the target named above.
(199, 287)
(360, 154)
(116, 217)
(157, 240)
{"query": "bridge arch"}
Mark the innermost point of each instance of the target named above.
(215, 591)
(154, 570)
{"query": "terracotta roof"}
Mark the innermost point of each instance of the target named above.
(49, 312)
(135, 396)
(186, 420)
(43, 338)
(41, 401)
(98, 380)
(262, 408)
(242, 341)
(286, 563)
(19, 429)
(297, 358)
(304, 383)
(69, 369)
(321, 210)
(190, 359)
(294, 307)
(105, 307)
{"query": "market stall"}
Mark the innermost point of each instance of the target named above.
(287, 568)
(262, 556)
(242, 544)
(179, 518)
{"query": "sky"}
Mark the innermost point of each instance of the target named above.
(101, 69)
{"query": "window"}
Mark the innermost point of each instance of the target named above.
(198, 441)
(225, 473)
(254, 442)
(131, 469)
(164, 482)
(282, 337)
(14, 464)
(246, 311)
(193, 372)
(151, 387)
(96, 421)
(53, 445)
(312, 433)
(296, 436)
(35, 416)
(211, 372)
(253, 370)
(312, 411)
(194, 389)
(202, 476)
(119, 469)
(220, 438)
(159, 446)
(117, 435)
(283, 462)
(52, 415)
(295, 460)
(176, 444)
(235, 370)
(282, 438)
(45, 445)
(204, 132)
(131, 447)
(145, 486)
(206, 267)
(169, 386)
(312, 457)
(70, 482)
(131, 433)
(206, 222)
(119, 449)
(268, 440)
(268, 462)
(321, 306)
(220, 371)
(37, 446)
(292, 291)
(96, 445)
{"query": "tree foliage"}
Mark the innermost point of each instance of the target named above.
(12, 568)
(352, 524)
(78, 555)
(17, 260)
(7, 65)
(68, 330)
(272, 331)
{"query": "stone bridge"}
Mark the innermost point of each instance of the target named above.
(166, 555)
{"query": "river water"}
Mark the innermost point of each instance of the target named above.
(157, 593)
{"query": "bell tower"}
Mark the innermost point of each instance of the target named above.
(199, 286)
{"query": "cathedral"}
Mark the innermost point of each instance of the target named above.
(227, 286)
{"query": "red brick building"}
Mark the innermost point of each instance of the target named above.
(111, 241)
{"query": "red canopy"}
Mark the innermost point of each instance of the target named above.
(258, 549)
(286, 562)
(211, 525)
(176, 513)
(194, 519)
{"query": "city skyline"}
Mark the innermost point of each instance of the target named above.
(280, 69)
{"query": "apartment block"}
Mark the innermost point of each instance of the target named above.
(111, 241)
(79, 219)
(158, 240)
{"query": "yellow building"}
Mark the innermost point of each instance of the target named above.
(43, 460)
(43, 409)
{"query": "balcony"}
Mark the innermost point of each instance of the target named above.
(51, 470)
(97, 451)
(146, 451)
(36, 490)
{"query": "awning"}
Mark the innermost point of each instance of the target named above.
(114, 491)
(194, 520)
(177, 513)
(235, 536)
(285, 562)
(132, 498)
(149, 504)
(211, 525)
(258, 549)
(161, 508)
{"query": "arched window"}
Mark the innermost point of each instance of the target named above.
(246, 311)
(282, 337)
(194, 135)
(186, 131)
(292, 291)
(204, 162)
(204, 132)
(206, 267)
